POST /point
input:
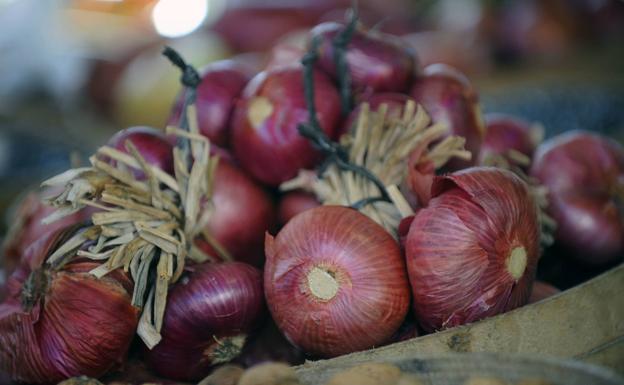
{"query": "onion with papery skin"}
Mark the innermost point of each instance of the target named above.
(59, 324)
(542, 290)
(335, 281)
(265, 134)
(584, 174)
(509, 137)
(293, 203)
(26, 226)
(208, 317)
(395, 103)
(151, 143)
(449, 98)
(221, 84)
(377, 62)
(472, 252)
(242, 212)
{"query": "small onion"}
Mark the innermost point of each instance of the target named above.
(584, 174)
(335, 281)
(221, 84)
(472, 252)
(395, 103)
(377, 61)
(242, 212)
(449, 98)
(70, 324)
(542, 290)
(265, 134)
(507, 135)
(293, 203)
(207, 319)
(151, 143)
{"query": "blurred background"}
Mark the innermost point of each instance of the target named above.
(74, 72)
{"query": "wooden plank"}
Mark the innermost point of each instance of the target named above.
(610, 355)
(571, 324)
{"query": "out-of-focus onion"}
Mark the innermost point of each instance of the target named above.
(265, 138)
(472, 252)
(509, 137)
(293, 203)
(151, 143)
(335, 281)
(542, 290)
(26, 226)
(59, 324)
(222, 82)
(242, 212)
(449, 98)
(584, 174)
(377, 62)
(394, 101)
(208, 316)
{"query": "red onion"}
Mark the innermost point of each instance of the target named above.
(293, 203)
(243, 212)
(377, 61)
(335, 281)
(542, 290)
(265, 138)
(70, 323)
(151, 143)
(449, 98)
(394, 101)
(507, 134)
(207, 319)
(584, 174)
(472, 252)
(27, 227)
(222, 82)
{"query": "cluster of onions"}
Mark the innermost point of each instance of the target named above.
(584, 174)
(472, 252)
(62, 322)
(346, 276)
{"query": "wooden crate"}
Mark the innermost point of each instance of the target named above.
(585, 322)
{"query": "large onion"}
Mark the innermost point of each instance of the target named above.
(449, 98)
(59, 324)
(377, 62)
(242, 212)
(335, 281)
(472, 252)
(265, 137)
(584, 173)
(221, 84)
(208, 316)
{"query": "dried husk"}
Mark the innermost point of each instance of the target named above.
(145, 226)
(383, 145)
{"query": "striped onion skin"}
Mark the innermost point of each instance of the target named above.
(208, 316)
(472, 252)
(335, 281)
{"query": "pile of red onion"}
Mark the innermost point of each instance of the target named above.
(289, 278)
